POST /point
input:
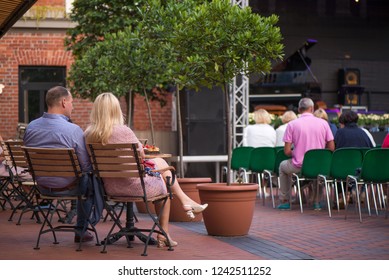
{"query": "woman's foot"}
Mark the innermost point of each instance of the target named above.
(163, 242)
(191, 210)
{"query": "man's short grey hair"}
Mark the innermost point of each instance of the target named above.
(305, 103)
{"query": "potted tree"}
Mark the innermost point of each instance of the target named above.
(214, 40)
(138, 58)
(161, 22)
(228, 41)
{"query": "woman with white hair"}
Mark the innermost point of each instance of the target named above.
(280, 131)
(260, 134)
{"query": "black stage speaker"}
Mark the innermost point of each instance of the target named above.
(204, 122)
(349, 89)
(349, 77)
(350, 95)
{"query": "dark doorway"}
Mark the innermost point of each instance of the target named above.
(34, 82)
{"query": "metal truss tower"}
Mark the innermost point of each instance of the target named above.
(239, 96)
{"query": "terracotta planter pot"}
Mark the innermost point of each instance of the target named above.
(231, 208)
(189, 187)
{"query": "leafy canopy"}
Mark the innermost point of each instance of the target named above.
(96, 18)
(224, 41)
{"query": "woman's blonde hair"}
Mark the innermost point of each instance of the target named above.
(288, 116)
(320, 113)
(262, 116)
(106, 113)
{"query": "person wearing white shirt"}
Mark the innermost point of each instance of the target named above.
(260, 134)
(280, 131)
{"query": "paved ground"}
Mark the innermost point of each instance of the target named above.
(274, 235)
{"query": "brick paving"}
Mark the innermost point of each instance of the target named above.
(274, 235)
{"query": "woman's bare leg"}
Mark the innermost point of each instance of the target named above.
(164, 219)
(189, 205)
(186, 201)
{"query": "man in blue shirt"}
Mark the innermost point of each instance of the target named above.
(55, 130)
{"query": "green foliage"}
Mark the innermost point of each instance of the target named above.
(143, 45)
(223, 41)
(96, 18)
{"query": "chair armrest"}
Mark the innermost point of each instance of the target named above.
(169, 180)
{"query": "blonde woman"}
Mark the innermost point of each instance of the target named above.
(260, 134)
(107, 126)
(280, 131)
(321, 113)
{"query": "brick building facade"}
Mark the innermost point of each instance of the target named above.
(34, 43)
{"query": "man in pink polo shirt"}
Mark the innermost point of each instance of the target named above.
(305, 133)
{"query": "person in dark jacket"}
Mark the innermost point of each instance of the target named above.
(350, 135)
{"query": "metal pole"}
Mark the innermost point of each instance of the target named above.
(239, 90)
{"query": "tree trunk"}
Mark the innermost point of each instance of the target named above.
(150, 118)
(229, 134)
(180, 136)
(130, 110)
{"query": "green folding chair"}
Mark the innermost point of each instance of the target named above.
(316, 161)
(344, 162)
(375, 170)
(240, 162)
(262, 161)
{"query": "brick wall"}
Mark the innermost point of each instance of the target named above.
(161, 116)
(38, 47)
(46, 49)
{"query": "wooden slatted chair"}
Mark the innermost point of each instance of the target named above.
(25, 189)
(57, 163)
(7, 180)
(123, 161)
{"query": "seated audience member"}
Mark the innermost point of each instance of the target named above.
(260, 134)
(350, 135)
(321, 113)
(107, 126)
(280, 131)
(303, 134)
(341, 125)
(55, 130)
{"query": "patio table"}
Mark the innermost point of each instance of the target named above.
(217, 159)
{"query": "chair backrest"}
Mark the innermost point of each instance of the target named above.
(262, 158)
(118, 161)
(364, 150)
(52, 162)
(115, 160)
(278, 148)
(280, 157)
(6, 155)
(16, 154)
(345, 161)
(375, 166)
(316, 161)
(241, 158)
